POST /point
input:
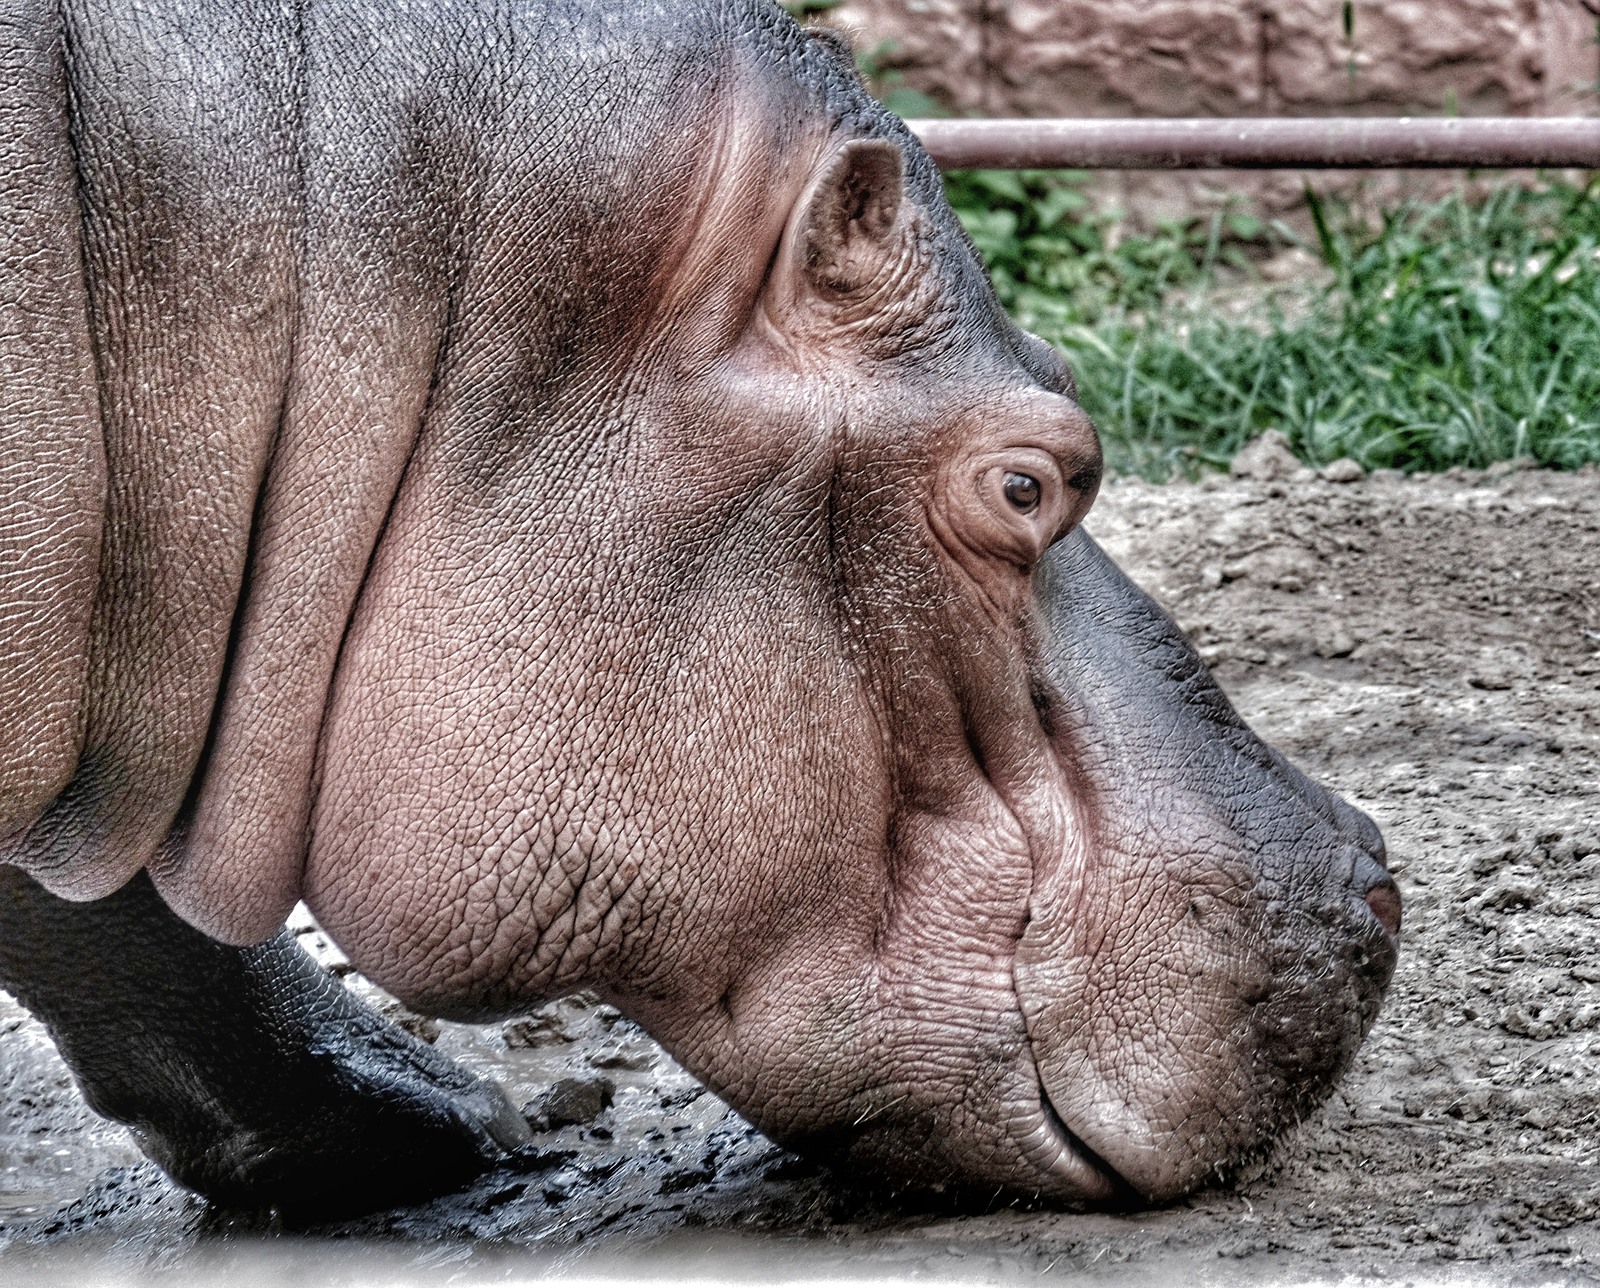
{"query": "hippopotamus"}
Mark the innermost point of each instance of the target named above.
(549, 485)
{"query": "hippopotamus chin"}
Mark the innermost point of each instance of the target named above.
(603, 531)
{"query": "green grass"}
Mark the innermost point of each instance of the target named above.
(1452, 333)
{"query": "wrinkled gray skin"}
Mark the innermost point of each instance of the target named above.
(541, 483)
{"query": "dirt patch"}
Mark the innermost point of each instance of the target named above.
(1431, 649)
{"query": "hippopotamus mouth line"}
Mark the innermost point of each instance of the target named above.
(1122, 1191)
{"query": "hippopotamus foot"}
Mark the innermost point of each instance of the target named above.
(249, 1074)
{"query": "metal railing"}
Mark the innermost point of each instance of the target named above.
(1309, 143)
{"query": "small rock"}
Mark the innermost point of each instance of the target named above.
(1265, 459)
(1335, 642)
(1475, 1105)
(534, 1031)
(569, 1102)
(1536, 1022)
(1490, 676)
(1343, 470)
(1379, 653)
(1492, 860)
(1513, 890)
(1538, 1116)
(617, 1058)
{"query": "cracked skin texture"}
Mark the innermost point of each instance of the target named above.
(573, 511)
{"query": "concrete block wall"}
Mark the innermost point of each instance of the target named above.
(1251, 58)
(1255, 57)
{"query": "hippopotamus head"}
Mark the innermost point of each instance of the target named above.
(732, 647)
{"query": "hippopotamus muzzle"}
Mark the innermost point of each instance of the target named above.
(1203, 963)
(1206, 937)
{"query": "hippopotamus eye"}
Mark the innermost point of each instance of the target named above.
(1023, 491)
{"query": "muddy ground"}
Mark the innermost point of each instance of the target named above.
(1429, 647)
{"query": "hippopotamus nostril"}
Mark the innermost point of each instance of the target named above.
(1384, 900)
(1371, 883)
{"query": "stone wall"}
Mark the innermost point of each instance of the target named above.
(1251, 58)
(1219, 58)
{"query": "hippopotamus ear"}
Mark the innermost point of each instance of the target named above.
(852, 216)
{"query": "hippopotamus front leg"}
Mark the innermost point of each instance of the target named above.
(249, 1074)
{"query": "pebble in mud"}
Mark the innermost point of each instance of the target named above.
(569, 1102)
(1343, 470)
(1468, 1129)
(1266, 458)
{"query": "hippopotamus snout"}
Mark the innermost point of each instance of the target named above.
(1363, 857)
(1195, 978)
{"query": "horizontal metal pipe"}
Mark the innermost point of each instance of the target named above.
(1266, 143)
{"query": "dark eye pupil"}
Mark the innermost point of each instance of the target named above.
(1022, 490)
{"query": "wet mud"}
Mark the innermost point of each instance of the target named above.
(1431, 648)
